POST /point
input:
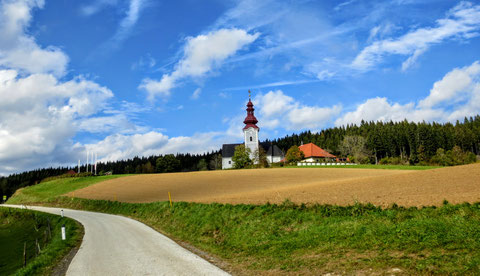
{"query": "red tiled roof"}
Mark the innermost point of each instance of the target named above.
(312, 150)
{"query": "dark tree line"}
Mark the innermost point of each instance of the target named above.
(151, 164)
(8, 185)
(408, 140)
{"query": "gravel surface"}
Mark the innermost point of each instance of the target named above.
(116, 245)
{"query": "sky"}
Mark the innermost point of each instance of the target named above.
(125, 78)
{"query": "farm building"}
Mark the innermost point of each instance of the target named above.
(250, 134)
(314, 153)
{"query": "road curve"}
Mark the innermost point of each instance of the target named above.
(116, 245)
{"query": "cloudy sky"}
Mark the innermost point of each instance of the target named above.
(142, 77)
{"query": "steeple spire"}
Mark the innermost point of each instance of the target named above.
(250, 120)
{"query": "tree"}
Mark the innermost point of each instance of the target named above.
(202, 165)
(216, 162)
(147, 168)
(260, 158)
(241, 157)
(355, 146)
(167, 163)
(294, 154)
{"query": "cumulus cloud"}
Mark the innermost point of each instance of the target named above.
(201, 54)
(461, 22)
(276, 109)
(120, 146)
(451, 87)
(452, 98)
(18, 50)
(40, 115)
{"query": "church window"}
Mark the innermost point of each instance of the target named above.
(251, 139)
(229, 162)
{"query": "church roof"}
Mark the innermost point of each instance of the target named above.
(229, 149)
(312, 150)
(250, 120)
(268, 149)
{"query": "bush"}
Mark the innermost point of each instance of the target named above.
(392, 161)
(455, 156)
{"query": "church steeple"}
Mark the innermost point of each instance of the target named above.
(250, 120)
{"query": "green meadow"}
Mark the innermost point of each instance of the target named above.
(308, 239)
(41, 234)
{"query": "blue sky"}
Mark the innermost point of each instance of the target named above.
(142, 77)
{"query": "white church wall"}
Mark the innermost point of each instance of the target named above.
(227, 163)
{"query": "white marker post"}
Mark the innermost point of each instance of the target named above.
(63, 232)
(61, 212)
(96, 163)
(87, 162)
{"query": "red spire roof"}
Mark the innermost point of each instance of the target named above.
(250, 120)
(312, 150)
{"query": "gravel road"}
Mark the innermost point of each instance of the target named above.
(116, 245)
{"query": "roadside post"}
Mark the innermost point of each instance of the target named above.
(170, 199)
(63, 232)
(61, 212)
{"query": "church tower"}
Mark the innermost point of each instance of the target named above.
(251, 130)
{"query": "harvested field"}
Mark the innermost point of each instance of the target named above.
(315, 185)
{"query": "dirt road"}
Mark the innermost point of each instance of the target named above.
(301, 185)
(116, 245)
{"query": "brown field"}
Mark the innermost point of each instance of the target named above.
(300, 185)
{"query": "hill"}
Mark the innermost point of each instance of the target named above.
(337, 186)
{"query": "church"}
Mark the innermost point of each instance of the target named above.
(250, 135)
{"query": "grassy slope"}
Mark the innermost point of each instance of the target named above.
(310, 239)
(49, 190)
(20, 226)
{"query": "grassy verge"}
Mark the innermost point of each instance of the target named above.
(314, 239)
(299, 239)
(379, 167)
(51, 189)
(19, 227)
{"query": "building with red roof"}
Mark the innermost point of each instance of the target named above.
(314, 153)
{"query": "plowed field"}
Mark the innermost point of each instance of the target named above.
(340, 186)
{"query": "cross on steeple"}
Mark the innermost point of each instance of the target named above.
(249, 94)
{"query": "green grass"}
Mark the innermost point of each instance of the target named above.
(51, 189)
(308, 239)
(317, 239)
(369, 166)
(20, 226)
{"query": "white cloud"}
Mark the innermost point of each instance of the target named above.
(451, 87)
(119, 146)
(196, 93)
(452, 98)
(130, 19)
(39, 118)
(144, 62)
(275, 109)
(462, 21)
(20, 51)
(96, 6)
(325, 74)
(201, 54)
